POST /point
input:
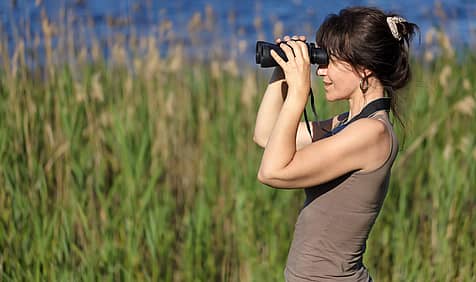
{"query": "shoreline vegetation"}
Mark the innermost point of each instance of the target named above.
(140, 166)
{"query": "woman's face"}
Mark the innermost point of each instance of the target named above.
(340, 80)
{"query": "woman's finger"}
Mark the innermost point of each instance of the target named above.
(296, 49)
(304, 50)
(299, 37)
(278, 58)
(287, 50)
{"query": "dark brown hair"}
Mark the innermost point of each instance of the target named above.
(362, 37)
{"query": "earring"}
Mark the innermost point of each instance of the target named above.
(364, 84)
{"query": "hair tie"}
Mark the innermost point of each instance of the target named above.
(392, 24)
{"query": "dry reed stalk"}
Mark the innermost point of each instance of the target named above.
(249, 90)
(278, 29)
(445, 74)
(466, 106)
(49, 31)
(210, 18)
(18, 59)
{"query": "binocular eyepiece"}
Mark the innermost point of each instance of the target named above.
(263, 57)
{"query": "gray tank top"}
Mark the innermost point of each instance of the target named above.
(332, 229)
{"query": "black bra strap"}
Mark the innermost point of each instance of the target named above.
(373, 107)
(368, 110)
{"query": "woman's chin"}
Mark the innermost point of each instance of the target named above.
(331, 98)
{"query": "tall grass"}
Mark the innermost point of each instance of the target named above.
(140, 167)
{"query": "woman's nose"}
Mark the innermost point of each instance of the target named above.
(321, 71)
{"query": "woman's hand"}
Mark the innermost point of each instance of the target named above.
(297, 68)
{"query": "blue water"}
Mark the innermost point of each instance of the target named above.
(234, 22)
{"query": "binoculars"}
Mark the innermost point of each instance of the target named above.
(263, 57)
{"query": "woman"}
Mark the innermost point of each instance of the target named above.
(345, 165)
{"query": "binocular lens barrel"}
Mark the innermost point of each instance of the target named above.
(263, 56)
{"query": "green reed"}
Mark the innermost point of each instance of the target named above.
(112, 172)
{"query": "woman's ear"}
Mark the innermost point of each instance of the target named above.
(365, 73)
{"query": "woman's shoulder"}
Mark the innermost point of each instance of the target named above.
(375, 139)
(369, 128)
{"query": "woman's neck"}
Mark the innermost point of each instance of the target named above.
(358, 101)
